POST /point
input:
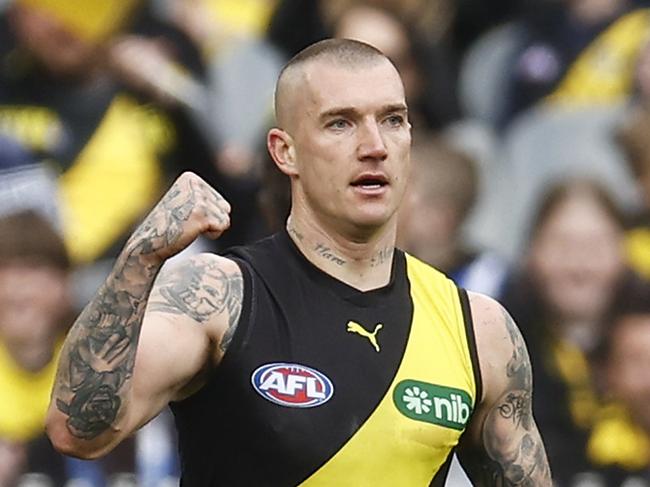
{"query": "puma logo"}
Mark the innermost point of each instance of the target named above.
(354, 327)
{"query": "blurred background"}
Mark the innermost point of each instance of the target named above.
(531, 183)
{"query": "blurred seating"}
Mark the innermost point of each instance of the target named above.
(576, 55)
(442, 192)
(573, 274)
(632, 137)
(485, 71)
(547, 145)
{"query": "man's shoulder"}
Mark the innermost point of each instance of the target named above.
(491, 319)
(261, 247)
(497, 335)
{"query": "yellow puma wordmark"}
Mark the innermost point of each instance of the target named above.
(354, 327)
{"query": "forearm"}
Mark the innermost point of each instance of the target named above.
(93, 383)
(92, 401)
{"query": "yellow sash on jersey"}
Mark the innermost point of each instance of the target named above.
(391, 449)
(604, 71)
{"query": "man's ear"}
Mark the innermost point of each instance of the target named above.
(281, 148)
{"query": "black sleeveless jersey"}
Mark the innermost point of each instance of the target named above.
(326, 385)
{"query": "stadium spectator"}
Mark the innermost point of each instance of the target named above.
(573, 275)
(61, 100)
(620, 441)
(443, 189)
(32, 325)
(576, 53)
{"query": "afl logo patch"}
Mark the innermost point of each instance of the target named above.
(292, 385)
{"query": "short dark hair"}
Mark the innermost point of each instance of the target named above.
(560, 191)
(27, 237)
(634, 301)
(343, 51)
(441, 168)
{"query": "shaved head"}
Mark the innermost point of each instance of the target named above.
(338, 52)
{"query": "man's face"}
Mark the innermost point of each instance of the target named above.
(628, 366)
(352, 141)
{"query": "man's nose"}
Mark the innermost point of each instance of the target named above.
(371, 142)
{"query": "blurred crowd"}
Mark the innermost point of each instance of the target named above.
(531, 183)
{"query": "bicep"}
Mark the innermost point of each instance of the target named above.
(505, 447)
(191, 315)
(172, 353)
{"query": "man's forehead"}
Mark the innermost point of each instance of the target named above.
(318, 85)
(331, 84)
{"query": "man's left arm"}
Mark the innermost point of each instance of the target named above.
(502, 446)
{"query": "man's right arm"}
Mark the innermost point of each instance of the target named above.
(103, 391)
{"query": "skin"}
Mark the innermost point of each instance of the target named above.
(502, 446)
(577, 258)
(332, 131)
(380, 29)
(102, 392)
(31, 320)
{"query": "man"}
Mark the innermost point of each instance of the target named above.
(319, 356)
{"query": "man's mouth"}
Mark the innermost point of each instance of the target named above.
(370, 182)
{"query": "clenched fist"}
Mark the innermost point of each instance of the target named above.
(190, 208)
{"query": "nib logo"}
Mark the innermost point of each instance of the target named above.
(444, 406)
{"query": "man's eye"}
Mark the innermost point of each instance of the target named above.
(395, 120)
(338, 124)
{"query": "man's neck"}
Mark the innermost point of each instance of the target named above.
(364, 265)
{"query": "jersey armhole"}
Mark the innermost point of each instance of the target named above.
(238, 340)
(471, 343)
(245, 316)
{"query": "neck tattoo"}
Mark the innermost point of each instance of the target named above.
(384, 255)
(328, 254)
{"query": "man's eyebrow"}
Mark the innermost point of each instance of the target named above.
(395, 108)
(349, 112)
(346, 112)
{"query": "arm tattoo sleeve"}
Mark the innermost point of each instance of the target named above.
(512, 453)
(99, 355)
(93, 379)
(201, 291)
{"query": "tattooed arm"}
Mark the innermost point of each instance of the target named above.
(103, 390)
(502, 446)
